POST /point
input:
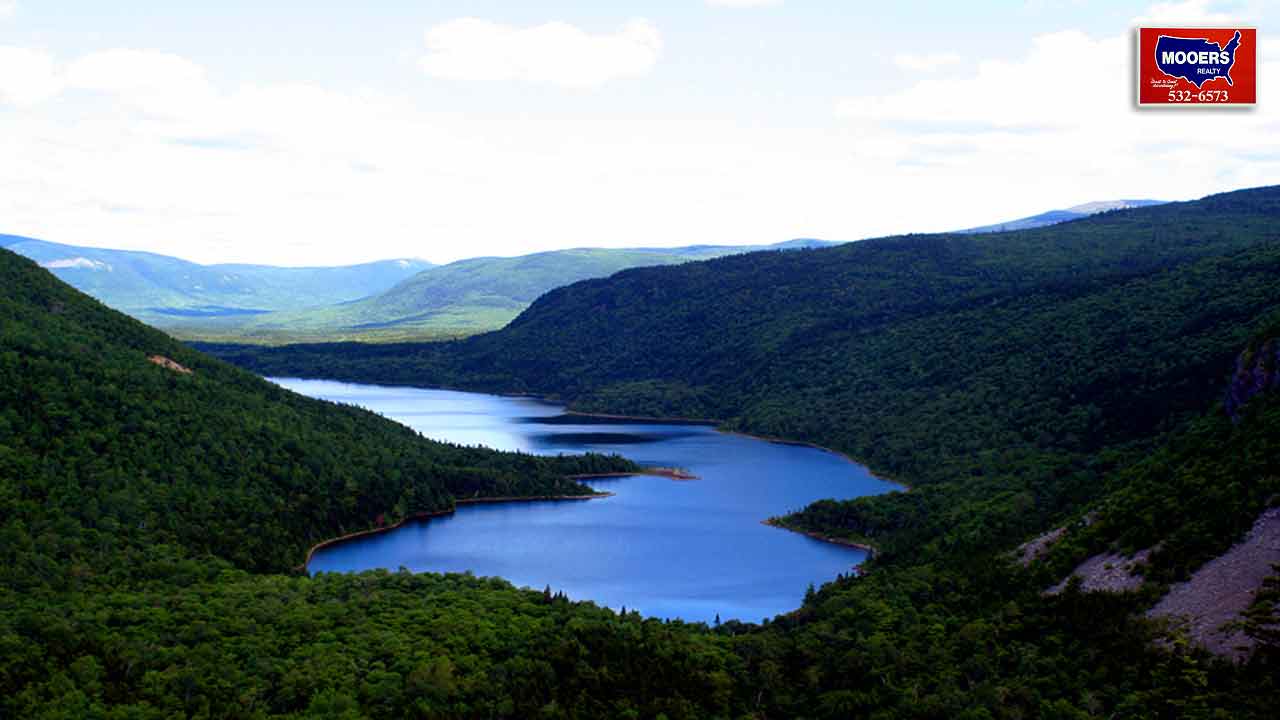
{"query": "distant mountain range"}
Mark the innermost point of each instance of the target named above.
(467, 296)
(399, 299)
(388, 299)
(1053, 217)
(167, 291)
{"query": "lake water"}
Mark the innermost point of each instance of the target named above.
(671, 549)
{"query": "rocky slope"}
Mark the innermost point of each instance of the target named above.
(1257, 371)
(1220, 592)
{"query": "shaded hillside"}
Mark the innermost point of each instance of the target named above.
(168, 291)
(451, 294)
(1201, 518)
(254, 472)
(1187, 501)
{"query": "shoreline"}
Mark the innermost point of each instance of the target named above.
(671, 473)
(673, 420)
(870, 550)
(675, 474)
(804, 443)
(445, 513)
(717, 425)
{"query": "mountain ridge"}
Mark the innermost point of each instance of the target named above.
(1053, 217)
(466, 296)
(150, 285)
(462, 298)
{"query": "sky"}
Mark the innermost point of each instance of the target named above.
(330, 132)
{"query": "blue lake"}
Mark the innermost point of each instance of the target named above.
(671, 549)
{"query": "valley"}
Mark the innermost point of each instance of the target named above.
(994, 374)
(700, 360)
(386, 301)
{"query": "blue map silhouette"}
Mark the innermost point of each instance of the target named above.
(1221, 59)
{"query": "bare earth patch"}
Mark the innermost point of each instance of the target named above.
(1109, 572)
(1033, 549)
(168, 364)
(1223, 588)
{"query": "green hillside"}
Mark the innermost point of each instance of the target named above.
(168, 292)
(459, 299)
(255, 473)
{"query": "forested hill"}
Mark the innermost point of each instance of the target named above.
(117, 455)
(461, 298)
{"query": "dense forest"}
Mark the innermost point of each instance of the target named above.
(205, 457)
(1016, 381)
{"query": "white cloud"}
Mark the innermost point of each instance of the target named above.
(145, 150)
(152, 80)
(743, 3)
(8, 8)
(1004, 94)
(927, 62)
(141, 152)
(27, 76)
(556, 53)
(160, 83)
(1188, 12)
(128, 72)
(1029, 120)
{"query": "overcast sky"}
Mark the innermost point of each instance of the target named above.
(331, 132)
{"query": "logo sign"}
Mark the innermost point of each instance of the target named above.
(1197, 66)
